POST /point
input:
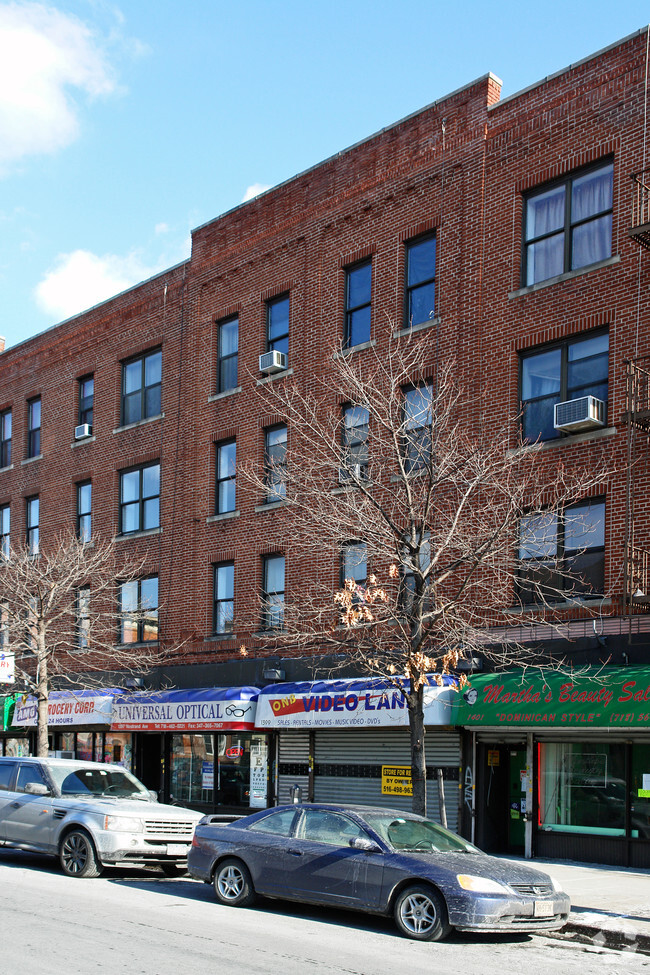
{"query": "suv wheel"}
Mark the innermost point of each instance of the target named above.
(77, 855)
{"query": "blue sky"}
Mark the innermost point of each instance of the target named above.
(124, 126)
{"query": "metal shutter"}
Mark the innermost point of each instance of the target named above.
(293, 764)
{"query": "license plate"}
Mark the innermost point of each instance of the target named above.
(177, 849)
(544, 909)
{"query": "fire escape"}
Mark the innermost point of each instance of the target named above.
(637, 417)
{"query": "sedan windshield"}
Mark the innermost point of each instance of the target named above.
(88, 781)
(407, 835)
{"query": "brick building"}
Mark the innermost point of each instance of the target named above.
(510, 235)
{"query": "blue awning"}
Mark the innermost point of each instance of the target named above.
(200, 709)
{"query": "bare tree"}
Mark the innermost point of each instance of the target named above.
(67, 614)
(454, 519)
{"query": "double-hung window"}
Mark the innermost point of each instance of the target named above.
(228, 348)
(86, 400)
(417, 427)
(5, 438)
(226, 472)
(83, 617)
(354, 563)
(32, 521)
(562, 555)
(5, 530)
(354, 435)
(277, 325)
(568, 224)
(140, 499)
(420, 294)
(557, 373)
(358, 294)
(34, 427)
(84, 511)
(224, 598)
(273, 592)
(142, 387)
(139, 610)
(275, 462)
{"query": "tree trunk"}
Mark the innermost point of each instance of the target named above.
(42, 698)
(418, 758)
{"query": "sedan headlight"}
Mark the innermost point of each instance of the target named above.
(557, 886)
(480, 885)
(124, 824)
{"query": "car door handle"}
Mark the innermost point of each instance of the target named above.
(295, 853)
(16, 805)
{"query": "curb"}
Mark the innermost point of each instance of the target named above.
(623, 937)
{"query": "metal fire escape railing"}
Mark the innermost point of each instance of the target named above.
(637, 417)
(640, 227)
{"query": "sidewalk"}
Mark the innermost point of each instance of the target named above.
(610, 906)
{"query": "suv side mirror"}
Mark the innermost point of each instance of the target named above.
(36, 789)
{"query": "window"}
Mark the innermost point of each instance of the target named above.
(415, 563)
(224, 595)
(568, 225)
(273, 592)
(5, 529)
(354, 563)
(354, 435)
(420, 280)
(417, 425)
(140, 499)
(279, 823)
(4, 626)
(83, 617)
(34, 427)
(86, 400)
(552, 546)
(275, 461)
(323, 826)
(228, 346)
(141, 387)
(32, 523)
(358, 286)
(29, 775)
(277, 324)
(5, 438)
(226, 466)
(557, 373)
(84, 502)
(139, 610)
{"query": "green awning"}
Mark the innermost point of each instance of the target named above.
(7, 710)
(604, 697)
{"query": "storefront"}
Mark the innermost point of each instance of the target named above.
(348, 741)
(79, 724)
(558, 765)
(199, 748)
(12, 741)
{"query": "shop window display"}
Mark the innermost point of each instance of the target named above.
(582, 787)
(236, 776)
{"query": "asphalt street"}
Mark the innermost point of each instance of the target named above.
(143, 924)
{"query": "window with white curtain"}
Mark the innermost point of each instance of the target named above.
(568, 224)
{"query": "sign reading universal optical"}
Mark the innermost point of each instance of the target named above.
(204, 709)
(67, 708)
(612, 697)
(349, 704)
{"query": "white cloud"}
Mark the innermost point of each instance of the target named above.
(81, 279)
(45, 56)
(254, 190)
(161, 228)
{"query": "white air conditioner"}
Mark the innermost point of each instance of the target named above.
(273, 361)
(353, 472)
(584, 413)
(82, 431)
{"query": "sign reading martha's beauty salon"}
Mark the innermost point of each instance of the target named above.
(605, 697)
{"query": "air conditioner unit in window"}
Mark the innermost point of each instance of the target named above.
(353, 472)
(82, 431)
(273, 361)
(584, 413)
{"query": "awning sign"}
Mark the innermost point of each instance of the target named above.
(396, 780)
(67, 708)
(611, 697)
(205, 709)
(6, 667)
(349, 704)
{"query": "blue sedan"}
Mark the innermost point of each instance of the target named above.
(377, 860)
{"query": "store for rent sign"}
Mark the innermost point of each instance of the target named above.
(607, 697)
(396, 780)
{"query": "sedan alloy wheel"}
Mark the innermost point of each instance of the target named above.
(233, 884)
(420, 914)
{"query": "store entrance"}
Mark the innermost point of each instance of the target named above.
(226, 771)
(501, 797)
